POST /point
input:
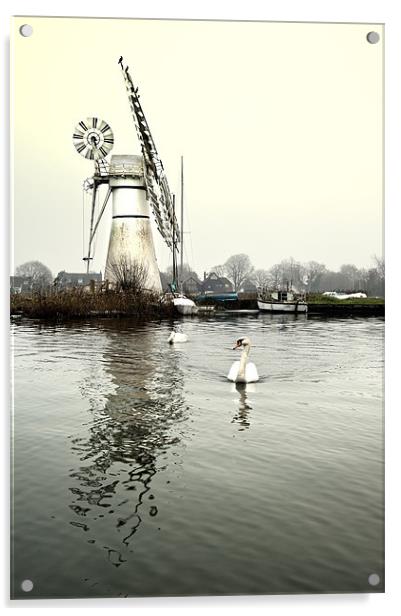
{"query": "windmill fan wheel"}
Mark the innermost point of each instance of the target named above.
(93, 138)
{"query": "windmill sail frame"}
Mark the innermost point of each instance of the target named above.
(158, 190)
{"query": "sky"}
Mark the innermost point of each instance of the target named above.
(280, 126)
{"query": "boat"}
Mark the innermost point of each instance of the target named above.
(221, 298)
(187, 306)
(339, 295)
(282, 301)
(184, 305)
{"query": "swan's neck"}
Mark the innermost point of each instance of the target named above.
(242, 364)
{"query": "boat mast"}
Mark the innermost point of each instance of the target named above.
(182, 224)
(175, 276)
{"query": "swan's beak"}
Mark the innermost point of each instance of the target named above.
(237, 346)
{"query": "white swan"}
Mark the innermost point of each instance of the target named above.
(177, 337)
(242, 371)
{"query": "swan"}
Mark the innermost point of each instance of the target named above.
(242, 371)
(177, 337)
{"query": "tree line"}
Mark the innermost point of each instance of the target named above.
(310, 277)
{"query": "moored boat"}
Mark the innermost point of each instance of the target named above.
(184, 305)
(282, 301)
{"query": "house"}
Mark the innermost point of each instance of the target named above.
(248, 287)
(216, 284)
(66, 280)
(191, 286)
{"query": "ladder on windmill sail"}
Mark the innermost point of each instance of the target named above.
(160, 197)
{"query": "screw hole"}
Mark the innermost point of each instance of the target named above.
(27, 585)
(374, 579)
(26, 30)
(373, 37)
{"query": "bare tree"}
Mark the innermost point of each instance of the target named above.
(379, 262)
(286, 274)
(238, 268)
(262, 278)
(219, 270)
(312, 272)
(40, 275)
(350, 272)
(290, 272)
(376, 278)
(275, 276)
(330, 281)
(129, 275)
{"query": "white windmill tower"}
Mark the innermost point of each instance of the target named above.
(134, 182)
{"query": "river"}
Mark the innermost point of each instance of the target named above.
(138, 469)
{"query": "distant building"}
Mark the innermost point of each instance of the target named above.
(67, 280)
(216, 284)
(21, 284)
(248, 287)
(192, 286)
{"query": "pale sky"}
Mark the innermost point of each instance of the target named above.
(280, 126)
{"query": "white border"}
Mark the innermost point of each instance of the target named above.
(368, 11)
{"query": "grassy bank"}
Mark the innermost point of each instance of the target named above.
(331, 306)
(313, 299)
(78, 303)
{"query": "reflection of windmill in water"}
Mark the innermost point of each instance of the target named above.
(132, 427)
(134, 182)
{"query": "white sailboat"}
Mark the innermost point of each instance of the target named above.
(183, 304)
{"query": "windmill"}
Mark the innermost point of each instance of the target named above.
(136, 185)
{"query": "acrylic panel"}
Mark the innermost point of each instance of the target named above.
(197, 309)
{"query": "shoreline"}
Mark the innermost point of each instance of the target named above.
(144, 307)
(314, 310)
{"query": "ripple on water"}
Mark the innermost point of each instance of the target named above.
(146, 472)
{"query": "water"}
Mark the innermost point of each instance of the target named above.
(140, 470)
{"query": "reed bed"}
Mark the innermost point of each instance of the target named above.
(79, 303)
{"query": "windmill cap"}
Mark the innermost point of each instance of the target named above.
(126, 165)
